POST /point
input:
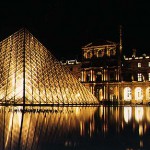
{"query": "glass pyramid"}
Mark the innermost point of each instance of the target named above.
(30, 74)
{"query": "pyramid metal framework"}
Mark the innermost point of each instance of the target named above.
(30, 74)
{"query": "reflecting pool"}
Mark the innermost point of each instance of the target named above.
(96, 128)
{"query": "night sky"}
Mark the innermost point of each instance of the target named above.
(64, 26)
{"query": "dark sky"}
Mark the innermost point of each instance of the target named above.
(64, 26)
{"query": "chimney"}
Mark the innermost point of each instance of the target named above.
(134, 53)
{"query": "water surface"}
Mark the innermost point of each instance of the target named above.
(96, 128)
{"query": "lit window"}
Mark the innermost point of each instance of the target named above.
(139, 64)
(127, 94)
(148, 93)
(139, 76)
(111, 52)
(148, 76)
(138, 93)
(99, 53)
(89, 55)
(148, 64)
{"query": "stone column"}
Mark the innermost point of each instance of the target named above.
(133, 94)
(144, 94)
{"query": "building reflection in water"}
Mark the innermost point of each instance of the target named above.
(104, 127)
(131, 125)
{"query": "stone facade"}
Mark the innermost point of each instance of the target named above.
(112, 77)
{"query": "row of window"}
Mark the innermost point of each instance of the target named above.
(100, 53)
(142, 78)
(140, 65)
(138, 93)
(99, 77)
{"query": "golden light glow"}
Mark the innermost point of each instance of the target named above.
(148, 114)
(138, 113)
(140, 130)
(37, 123)
(82, 130)
(127, 94)
(141, 144)
(13, 122)
(127, 114)
(138, 94)
(29, 71)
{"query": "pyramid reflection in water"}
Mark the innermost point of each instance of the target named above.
(37, 128)
(30, 74)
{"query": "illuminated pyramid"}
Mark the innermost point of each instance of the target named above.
(30, 74)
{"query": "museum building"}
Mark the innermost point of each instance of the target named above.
(111, 76)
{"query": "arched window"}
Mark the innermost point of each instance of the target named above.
(111, 52)
(138, 94)
(148, 93)
(127, 94)
(99, 54)
(88, 54)
(99, 93)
